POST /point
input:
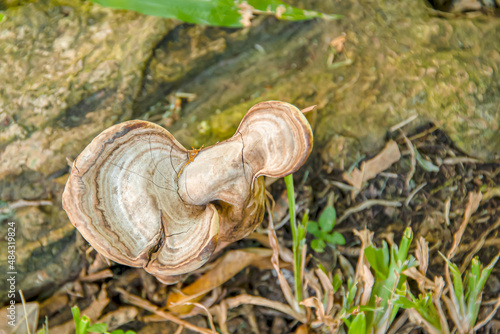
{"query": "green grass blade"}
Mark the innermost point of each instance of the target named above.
(379, 260)
(76, 318)
(297, 249)
(404, 246)
(485, 273)
(475, 297)
(98, 328)
(358, 325)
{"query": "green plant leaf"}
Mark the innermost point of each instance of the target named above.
(334, 239)
(84, 324)
(76, 318)
(318, 245)
(358, 325)
(313, 228)
(379, 260)
(336, 282)
(302, 232)
(98, 328)
(425, 164)
(327, 219)
(485, 273)
(352, 288)
(458, 290)
(218, 12)
(424, 306)
(404, 245)
(290, 13)
(476, 294)
(225, 13)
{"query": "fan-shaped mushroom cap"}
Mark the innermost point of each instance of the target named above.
(143, 200)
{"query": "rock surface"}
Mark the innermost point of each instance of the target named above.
(69, 71)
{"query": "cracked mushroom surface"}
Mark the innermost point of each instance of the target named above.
(141, 199)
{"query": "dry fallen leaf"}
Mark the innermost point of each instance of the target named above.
(302, 329)
(142, 303)
(19, 319)
(422, 255)
(285, 287)
(229, 265)
(119, 317)
(326, 283)
(261, 301)
(285, 254)
(371, 168)
(472, 205)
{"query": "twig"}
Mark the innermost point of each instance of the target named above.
(365, 205)
(413, 160)
(342, 186)
(414, 192)
(23, 203)
(97, 276)
(209, 315)
(308, 109)
(25, 314)
(487, 243)
(260, 301)
(447, 207)
(424, 133)
(479, 244)
(142, 303)
(472, 205)
(403, 123)
(400, 321)
(459, 160)
(389, 175)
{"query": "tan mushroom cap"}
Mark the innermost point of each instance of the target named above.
(137, 199)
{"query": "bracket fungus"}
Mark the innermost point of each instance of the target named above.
(141, 199)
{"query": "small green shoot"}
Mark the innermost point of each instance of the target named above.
(82, 325)
(388, 265)
(45, 327)
(298, 236)
(424, 307)
(465, 295)
(323, 231)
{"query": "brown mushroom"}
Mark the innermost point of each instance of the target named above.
(141, 199)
